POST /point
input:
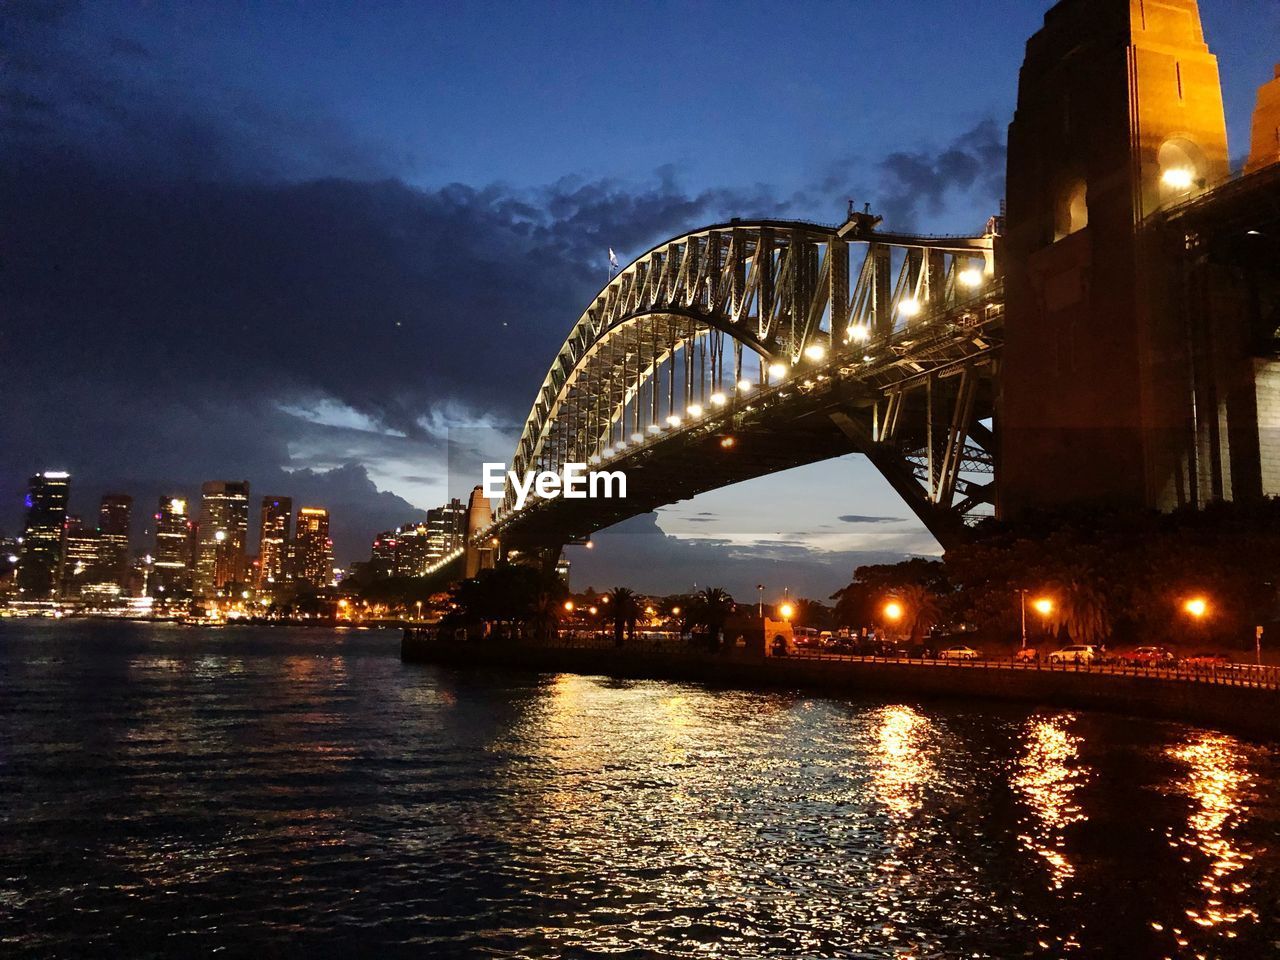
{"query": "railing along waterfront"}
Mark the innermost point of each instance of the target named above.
(1249, 675)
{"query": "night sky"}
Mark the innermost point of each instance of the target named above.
(307, 243)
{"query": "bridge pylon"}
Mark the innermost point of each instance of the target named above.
(1119, 117)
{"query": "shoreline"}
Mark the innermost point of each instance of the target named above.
(1240, 708)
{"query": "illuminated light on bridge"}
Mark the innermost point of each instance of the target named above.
(859, 334)
(815, 352)
(1178, 178)
(727, 442)
(694, 410)
(745, 386)
(909, 307)
(655, 428)
(674, 420)
(777, 371)
(970, 278)
(719, 399)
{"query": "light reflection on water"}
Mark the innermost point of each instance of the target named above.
(1048, 777)
(172, 792)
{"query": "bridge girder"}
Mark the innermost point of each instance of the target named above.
(799, 341)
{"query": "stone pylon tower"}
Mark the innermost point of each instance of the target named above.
(1119, 116)
(479, 556)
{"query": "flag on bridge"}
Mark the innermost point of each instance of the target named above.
(613, 260)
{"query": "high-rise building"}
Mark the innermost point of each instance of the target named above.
(40, 566)
(446, 529)
(79, 557)
(222, 530)
(412, 551)
(273, 541)
(313, 548)
(113, 539)
(382, 558)
(171, 563)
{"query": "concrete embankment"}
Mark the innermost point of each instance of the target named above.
(1250, 711)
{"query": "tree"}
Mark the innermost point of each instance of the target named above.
(860, 603)
(712, 610)
(624, 610)
(1080, 609)
(920, 609)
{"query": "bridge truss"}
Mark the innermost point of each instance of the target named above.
(744, 348)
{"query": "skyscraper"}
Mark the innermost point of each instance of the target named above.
(313, 548)
(79, 557)
(172, 560)
(40, 567)
(446, 528)
(273, 541)
(223, 529)
(113, 539)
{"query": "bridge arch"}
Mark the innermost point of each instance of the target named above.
(874, 343)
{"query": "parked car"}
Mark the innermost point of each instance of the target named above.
(1148, 657)
(1026, 655)
(1075, 653)
(1206, 659)
(959, 652)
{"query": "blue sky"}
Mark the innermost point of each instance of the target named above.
(303, 242)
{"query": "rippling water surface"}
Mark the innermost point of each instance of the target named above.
(172, 791)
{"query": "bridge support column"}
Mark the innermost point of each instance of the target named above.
(1119, 115)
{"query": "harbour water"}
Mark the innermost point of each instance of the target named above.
(173, 791)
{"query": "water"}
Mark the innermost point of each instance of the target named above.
(172, 791)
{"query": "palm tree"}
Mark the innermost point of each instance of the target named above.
(544, 618)
(1081, 609)
(714, 606)
(623, 610)
(921, 609)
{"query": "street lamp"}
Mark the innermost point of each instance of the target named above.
(568, 605)
(1196, 607)
(787, 611)
(893, 611)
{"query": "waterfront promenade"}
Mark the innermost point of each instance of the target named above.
(1240, 697)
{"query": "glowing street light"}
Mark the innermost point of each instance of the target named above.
(719, 399)
(971, 278)
(894, 611)
(695, 410)
(727, 442)
(860, 333)
(777, 371)
(787, 611)
(673, 421)
(1197, 607)
(745, 386)
(675, 611)
(637, 437)
(1043, 606)
(815, 351)
(910, 307)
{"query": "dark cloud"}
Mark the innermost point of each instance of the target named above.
(854, 518)
(907, 186)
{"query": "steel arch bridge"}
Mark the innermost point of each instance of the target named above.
(746, 348)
